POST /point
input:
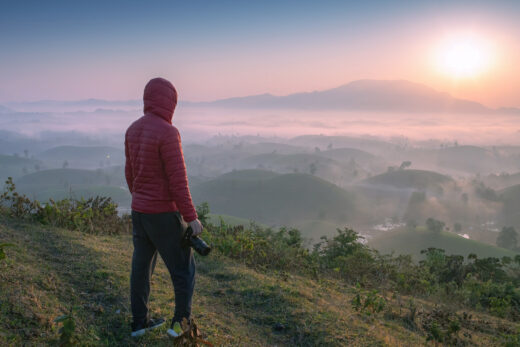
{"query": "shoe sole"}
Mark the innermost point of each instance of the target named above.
(141, 332)
(172, 333)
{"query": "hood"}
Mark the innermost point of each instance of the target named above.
(160, 98)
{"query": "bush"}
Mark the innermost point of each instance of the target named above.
(94, 215)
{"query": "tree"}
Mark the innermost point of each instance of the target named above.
(313, 168)
(405, 164)
(507, 238)
(434, 225)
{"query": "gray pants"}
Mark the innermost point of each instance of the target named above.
(162, 233)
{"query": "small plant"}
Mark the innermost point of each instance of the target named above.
(442, 326)
(67, 337)
(17, 205)
(189, 334)
(368, 303)
(2, 251)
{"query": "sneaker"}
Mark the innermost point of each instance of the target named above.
(172, 332)
(140, 329)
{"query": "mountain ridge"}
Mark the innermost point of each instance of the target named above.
(396, 95)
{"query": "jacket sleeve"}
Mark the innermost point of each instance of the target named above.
(175, 169)
(128, 168)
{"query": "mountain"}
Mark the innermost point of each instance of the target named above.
(374, 95)
(369, 95)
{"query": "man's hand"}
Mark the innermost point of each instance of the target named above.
(196, 226)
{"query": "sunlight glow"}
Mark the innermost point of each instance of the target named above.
(464, 57)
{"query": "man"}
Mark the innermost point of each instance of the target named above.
(161, 205)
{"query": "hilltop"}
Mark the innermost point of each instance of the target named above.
(50, 270)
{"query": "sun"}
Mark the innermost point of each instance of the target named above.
(463, 57)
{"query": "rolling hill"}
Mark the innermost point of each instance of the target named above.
(413, 241)
(279, 199)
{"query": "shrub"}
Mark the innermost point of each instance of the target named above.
(94, 215)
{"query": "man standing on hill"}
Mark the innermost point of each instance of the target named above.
(161, 204)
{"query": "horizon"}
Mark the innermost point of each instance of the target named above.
(245, 96)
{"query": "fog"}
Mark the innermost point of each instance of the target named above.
(315, 170)
(201, 123)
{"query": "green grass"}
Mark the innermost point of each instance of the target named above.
(413, 241)
(49, 270)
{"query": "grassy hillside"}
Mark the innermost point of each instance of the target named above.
(413, 241)
(51, 270)
(281, 199)
(410, 179)
(48, 271)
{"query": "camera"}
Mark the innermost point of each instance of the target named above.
(198, 244)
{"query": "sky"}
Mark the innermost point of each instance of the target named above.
(70, 50)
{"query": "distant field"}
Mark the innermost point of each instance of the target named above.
(413, 241)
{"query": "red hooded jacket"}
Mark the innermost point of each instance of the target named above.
(155, 170)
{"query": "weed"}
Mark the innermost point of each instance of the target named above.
(67, 336)
(2, 251)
